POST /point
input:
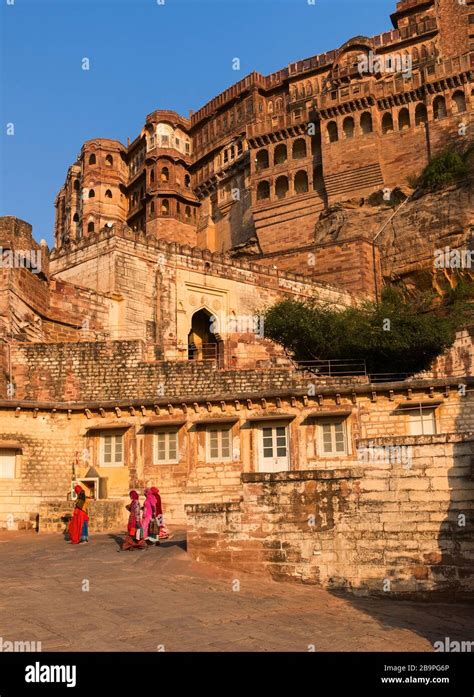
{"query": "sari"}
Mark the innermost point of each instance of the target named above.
(164, 532)
(148, 511)
(78, 526)
(134, 539)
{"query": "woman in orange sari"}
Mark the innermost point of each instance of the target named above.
(78, 526)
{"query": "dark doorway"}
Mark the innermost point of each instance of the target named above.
(204, 342)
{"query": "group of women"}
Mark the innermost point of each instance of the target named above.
(145, 522)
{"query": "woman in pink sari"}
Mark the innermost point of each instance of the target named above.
(148, 511)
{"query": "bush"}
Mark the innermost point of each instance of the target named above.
(396, 336)
(443, 170)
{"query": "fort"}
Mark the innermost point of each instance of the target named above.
(129, 355)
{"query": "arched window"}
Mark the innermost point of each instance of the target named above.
(109, 160)
(108, 194)
(280, 155)
(262, 161)
(187, 213)
(424, 53)
(421, 115)
(309, 88)
(332, 132)
(279, 104)
(366, 122)
(387, 123)
(165, 175)
(281, 187)
(459, 99)
(90, 227)
(92, 159)
(301, 182)
(152, 208)
(299, 149)
(187, 181)
(76, 184)
(270, 107)
(316, 87)
(75, 218)
(263, 190)
(152, 176)
(165, 207)
(91, 193)
(415, 55)
(403, 119)
(348, 127)
(439, 108)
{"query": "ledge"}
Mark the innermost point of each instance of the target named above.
(301, 475)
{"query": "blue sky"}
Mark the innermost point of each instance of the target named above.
(143, 56)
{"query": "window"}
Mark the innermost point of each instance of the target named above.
(218, 447)
(165, 207)
(166, 446)
(263, 190)
(90, 227)
(301, 182)
(76, 184)
(111, 454)
(281, 187)
(7, 464)
(299, 149)
(165, 175)
(333, 437)
(422, 421)
(332, 132)
(366, 123)
(403, 119)
(348, 127)
(387, 123)
(92, 159)
(108, 194)
(152, 176)
(421, 115)
(109, 160)
(187, 181)
(439, 108)
(91, 193)
(280, 154)
(187, 213)
(459, 100)
(261, 159)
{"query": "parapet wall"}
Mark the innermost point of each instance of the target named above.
(383, 528)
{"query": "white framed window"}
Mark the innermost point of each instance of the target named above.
(422, 421)
(333, 437)
(218, 443)
(273, 448)
(7, 463)
(166, 446)
(111, 450)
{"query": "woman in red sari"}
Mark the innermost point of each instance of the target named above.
(134, 539)
(80, 518)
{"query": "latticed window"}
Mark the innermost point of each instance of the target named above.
(166, 446)
(219, 443)
(112, 450)
(333, 437)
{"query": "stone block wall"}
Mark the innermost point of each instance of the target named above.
(104, 515)
(382, 528)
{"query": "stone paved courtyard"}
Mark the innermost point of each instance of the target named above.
(142, 599)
